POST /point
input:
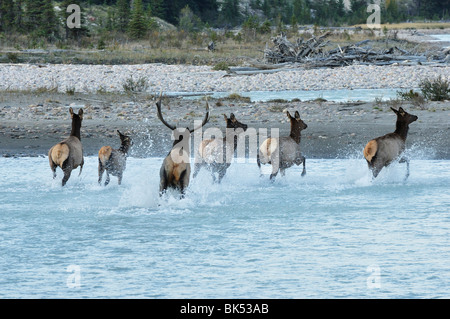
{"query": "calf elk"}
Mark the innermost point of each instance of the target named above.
(68, 154)
(383, 150)
(176, 168)
(114, 160)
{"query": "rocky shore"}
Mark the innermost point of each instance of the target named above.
(182, 78)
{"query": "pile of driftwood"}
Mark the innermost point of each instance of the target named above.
(286, 51)
(311, 53)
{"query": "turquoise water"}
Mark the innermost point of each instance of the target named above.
(333, 234)
(341, 95)
(442, 37)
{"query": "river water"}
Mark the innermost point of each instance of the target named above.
(334, 233)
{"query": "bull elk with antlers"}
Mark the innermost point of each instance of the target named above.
(176, 168)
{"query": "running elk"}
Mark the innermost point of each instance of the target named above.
(383, 150)
(114, 160)
(216, 153)
(176, 168)
(283, 152)
(68, 154)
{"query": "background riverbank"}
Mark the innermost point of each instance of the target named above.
(31, 123)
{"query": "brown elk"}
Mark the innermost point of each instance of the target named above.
(68, 154)
(283, 152)
(176, 168)
(114, 160)
(214, 153)
(383, 150)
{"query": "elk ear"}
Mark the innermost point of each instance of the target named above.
(118, 132)
(232, 116)
(225, 117)
(288, 114)
(297, 115)
(80, 113)
(71, 112)
(395, 111)
(401, 111)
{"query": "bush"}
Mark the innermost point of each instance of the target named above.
(415, 97)
(435, 90)
(221, 66)
(132, 86)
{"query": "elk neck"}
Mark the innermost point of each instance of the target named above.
(295, 133)
(124, 148)
(76, 128)
(401, 128)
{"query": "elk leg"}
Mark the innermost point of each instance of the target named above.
(197, 168)
(304, 166)
(273, 175)
(119, 178)
(222, 174)
(107, 178)
(375, 171)
(275, 160)
(53, 168)
(101, 170)
(405, 160)
(258, 161)
(163, 184)
(66, 177)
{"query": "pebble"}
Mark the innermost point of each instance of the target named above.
(185, 78)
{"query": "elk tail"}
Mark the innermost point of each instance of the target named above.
(59, 154)
(370, 150)
(104, 154)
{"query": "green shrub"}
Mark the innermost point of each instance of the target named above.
(435, 90)
(221, 66)
(415, 97)
(132, 86)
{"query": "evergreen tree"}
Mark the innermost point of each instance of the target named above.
(123, 13)
(48, 23)
(230, 12)
(158, 8)
(357, 13)
(7, 16)
(137, 27)
(18, 15)
(33, 14)
(189, 22)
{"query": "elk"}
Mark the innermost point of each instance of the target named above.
(68, 154)
(283, 152)
(382, 151)
(176, 168)
(112, 160)
(213, 153)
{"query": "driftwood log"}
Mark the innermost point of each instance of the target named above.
(310, 53)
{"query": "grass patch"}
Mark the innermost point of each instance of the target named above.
(238, 98)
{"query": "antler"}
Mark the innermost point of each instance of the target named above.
(158, 107)
(205, 120)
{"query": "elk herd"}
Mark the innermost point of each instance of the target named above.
(213, 154)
